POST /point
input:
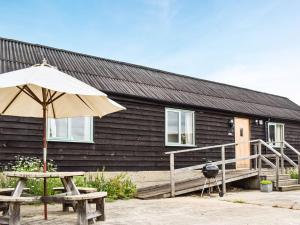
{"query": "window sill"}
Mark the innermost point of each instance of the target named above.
(277, 146)
(179, 145)
(70, 141)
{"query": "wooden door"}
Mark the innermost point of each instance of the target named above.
(242, 134)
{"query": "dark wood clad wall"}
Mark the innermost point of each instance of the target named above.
(130, 140)
(292, 136)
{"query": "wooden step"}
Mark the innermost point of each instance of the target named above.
(286, 182)
(272, 177)
(290, 187)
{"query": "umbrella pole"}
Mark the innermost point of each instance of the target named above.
(45, 157)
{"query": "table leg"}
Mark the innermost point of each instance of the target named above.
(19, 188)
(17, 193)
(70, 187)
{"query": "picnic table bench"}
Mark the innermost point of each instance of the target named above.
(82, 190)
(84, 213)
(14, 207)
(9, 191)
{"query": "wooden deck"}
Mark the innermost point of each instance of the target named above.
(189, 183)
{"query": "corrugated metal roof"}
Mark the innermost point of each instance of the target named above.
(124, 78)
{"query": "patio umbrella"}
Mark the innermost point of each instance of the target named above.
(44, 91)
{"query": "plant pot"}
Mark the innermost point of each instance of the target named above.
(266, 187)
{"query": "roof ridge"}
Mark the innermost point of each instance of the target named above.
(142, 67)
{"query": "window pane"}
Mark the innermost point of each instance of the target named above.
(279, 133)
(173, 127)
(58, 128)
(272, 133)
(80, 128)
(187, 128)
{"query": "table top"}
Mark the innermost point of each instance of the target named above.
(43, 175)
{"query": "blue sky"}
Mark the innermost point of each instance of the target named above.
(253, 44)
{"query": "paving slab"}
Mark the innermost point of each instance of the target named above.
(238, 208)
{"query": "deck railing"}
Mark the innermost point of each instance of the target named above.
(284, 147)
(258, 158)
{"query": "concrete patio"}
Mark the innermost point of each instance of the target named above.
(238, 208)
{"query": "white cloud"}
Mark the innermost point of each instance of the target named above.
(271, 78)
(165, 10)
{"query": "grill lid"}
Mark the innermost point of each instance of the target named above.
(210, 170)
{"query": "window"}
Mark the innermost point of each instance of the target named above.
(76, 129)
(241, 132)
(179, 128)
(275, 134)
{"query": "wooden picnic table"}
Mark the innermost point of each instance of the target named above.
(72, 197)
(66, 179)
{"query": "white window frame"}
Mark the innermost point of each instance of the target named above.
(166, 127)
(68, 138)
(276, 144)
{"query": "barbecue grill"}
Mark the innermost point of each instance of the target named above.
(210, 171)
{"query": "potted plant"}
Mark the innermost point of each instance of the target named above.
(266, 186)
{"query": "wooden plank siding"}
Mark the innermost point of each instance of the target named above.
(292, 136)
(131, 140)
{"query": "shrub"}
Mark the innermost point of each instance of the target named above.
(293, 173)
(265, 182)
(32, 164)
(119, 187)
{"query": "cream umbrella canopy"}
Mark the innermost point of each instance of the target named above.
(43, 91)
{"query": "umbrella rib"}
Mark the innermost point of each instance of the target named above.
(30, 93)
(53, 110)
(84, 102)
(14, 98)
(48, 93)
(54, 99)
(51, 96)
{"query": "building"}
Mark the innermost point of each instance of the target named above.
(165, 111)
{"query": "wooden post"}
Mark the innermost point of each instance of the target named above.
(223, 170)
(82, 212)
(282, 159)
(298, 169)
(100, 206)
(44, 104)
(255, 160)
(172, 175)
(259, 159)
(15, 216)
(277, 172)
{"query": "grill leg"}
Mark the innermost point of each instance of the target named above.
(203, 187)
(219, 190)
(217, 185)
(209, 187)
